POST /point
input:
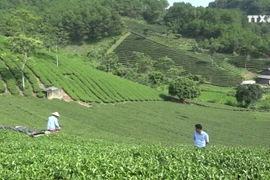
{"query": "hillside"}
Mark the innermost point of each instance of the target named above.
(140, 122)
(79, 80)
(192, 64)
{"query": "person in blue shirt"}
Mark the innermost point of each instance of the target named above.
(53, 125)
(201, 138)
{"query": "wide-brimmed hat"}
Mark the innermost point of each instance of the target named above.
(56, 114)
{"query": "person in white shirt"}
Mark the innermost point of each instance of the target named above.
(201, 138)
(52, 124)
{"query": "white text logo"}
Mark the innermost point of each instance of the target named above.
(259, 18)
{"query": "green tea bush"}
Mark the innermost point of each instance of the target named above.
(2, 87)
(58, 156)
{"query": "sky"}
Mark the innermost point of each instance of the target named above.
(203, 3)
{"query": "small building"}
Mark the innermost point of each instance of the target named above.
(265, 72)
(248, 82)
(264, 79)
(54, 92)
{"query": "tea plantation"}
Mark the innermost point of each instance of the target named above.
(212, 72)
(79, 81)
(60, 156)
(116, 142)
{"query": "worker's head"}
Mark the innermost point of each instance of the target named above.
(56, 114)
(198, 128)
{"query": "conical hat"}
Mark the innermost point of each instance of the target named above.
(56, 114)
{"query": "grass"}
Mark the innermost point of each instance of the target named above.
(140, 122)
(215, 97)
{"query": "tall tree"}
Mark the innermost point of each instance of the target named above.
(25, 46)
(23, 41)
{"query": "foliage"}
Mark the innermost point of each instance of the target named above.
(143, 63)
(219, 30)
(109, 62)
(120, 161)
(156, 78)
(163, 64)
(248, 6)
(184, 88)
(248, 94)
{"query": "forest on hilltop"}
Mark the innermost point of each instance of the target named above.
(224, 30)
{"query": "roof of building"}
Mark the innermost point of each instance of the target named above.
(50, 88)
(264, 76)
(249, 82)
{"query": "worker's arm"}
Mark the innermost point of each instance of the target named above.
(56, 123)
(206, 139)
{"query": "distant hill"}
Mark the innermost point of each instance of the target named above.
(191, 64)
(248, 6)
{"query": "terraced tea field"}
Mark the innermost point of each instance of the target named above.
(79, 81)
(211, 71)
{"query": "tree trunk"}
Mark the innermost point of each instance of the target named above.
(23, 80)
(23, 65)
(57, 60)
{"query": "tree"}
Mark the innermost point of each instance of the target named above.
(22, 25)
(164, 64)
(156, 78)
(248, 94)
(143, 63)
(247, 60)
(25, 47)
(59, 39)
(184, 88)
(109, 62)
(174, 72)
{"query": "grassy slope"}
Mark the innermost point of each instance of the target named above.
(140, 122)
(79, 80)
(191, 64)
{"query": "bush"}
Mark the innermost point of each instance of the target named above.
(248, 94)
(184, 88)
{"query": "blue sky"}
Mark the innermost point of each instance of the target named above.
(203, 3)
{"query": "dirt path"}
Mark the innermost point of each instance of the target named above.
(250, 75)
(7, 91)
(66, 97)
(84, 104)
(41, 85)
(21, 92)
(118, 42)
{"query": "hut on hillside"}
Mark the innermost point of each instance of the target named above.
(264, 77)
(53, 92)
(248, 82)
